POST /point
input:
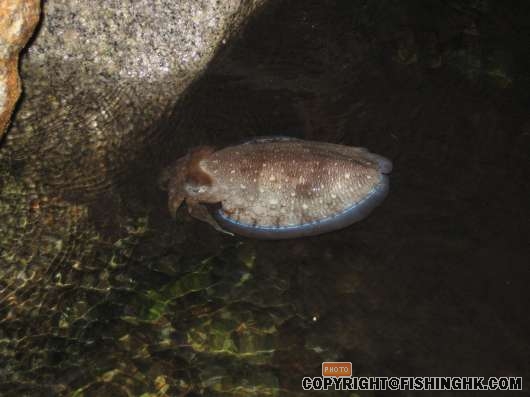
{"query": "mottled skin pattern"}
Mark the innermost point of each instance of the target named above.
(280, 187)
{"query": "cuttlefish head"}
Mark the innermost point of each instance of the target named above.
(187, 181)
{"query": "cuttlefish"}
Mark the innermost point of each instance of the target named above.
(277, 187)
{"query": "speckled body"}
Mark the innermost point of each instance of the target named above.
(283, 187)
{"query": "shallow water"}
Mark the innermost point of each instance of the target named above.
(433, 283)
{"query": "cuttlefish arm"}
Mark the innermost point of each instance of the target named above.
(183, 174)
(200, 212)
(175, 201)
(197, 211)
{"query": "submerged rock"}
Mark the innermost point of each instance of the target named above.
(100, 76)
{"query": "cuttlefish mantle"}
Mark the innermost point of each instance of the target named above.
(277, 188)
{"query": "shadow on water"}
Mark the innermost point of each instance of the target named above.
(433, 283)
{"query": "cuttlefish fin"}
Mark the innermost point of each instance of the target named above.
(200, 212)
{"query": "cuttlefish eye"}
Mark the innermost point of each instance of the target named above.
(195, 189)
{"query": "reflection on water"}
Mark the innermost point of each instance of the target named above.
(433, 283)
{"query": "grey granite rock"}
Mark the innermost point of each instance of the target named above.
(98, 79)
(100, 75)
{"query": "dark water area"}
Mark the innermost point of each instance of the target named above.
(433, 283)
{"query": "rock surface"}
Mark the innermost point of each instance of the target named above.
(18, 19)
(99, 79)
(101, 74)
